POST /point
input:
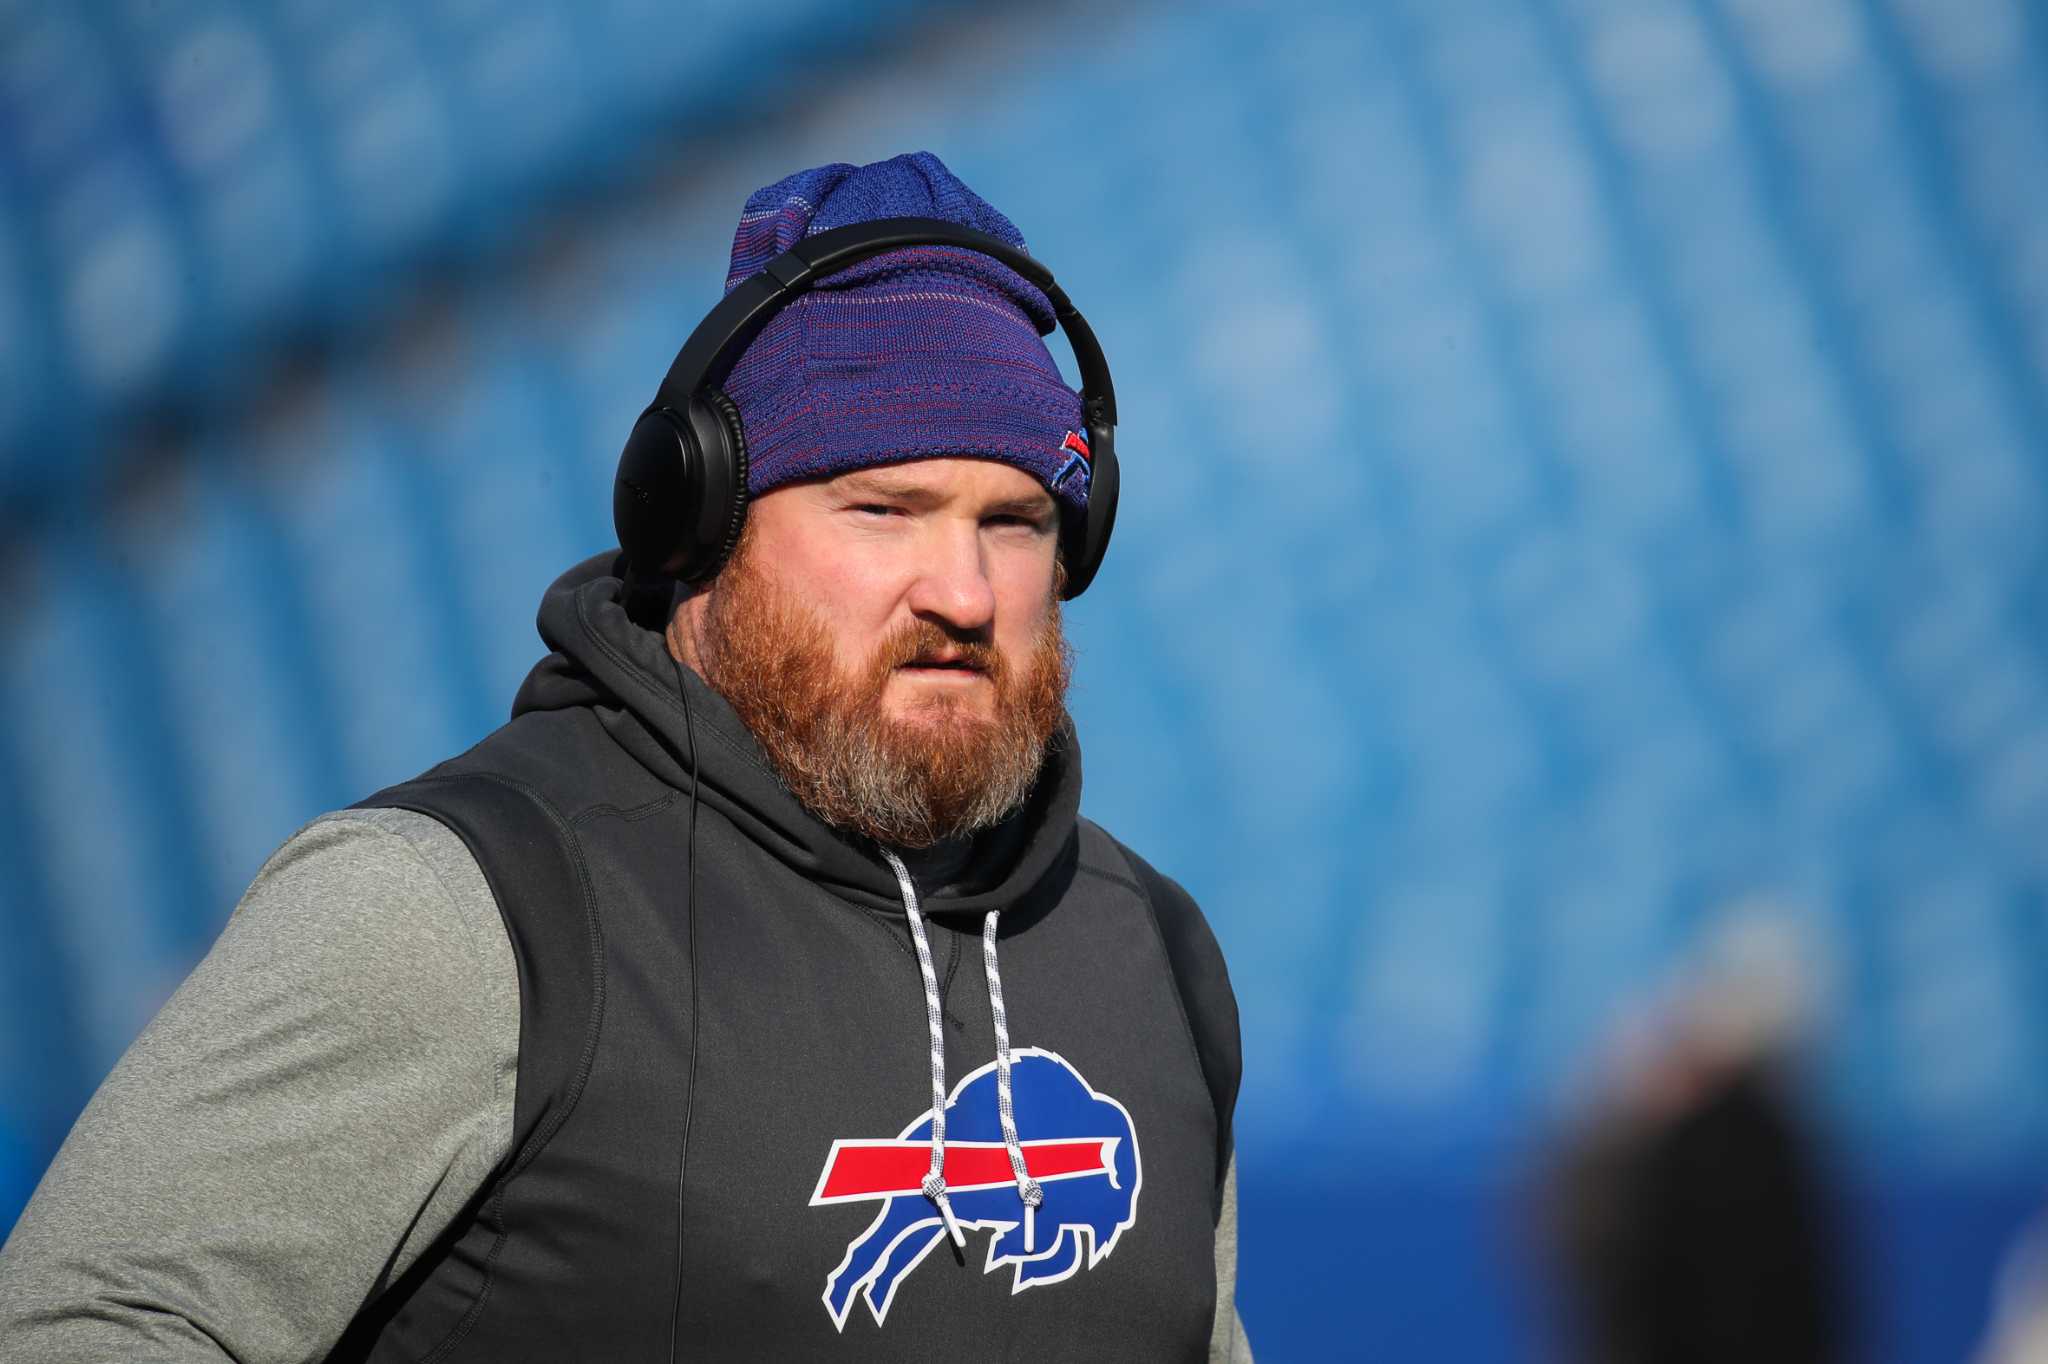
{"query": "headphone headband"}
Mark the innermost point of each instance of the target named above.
(739, 317)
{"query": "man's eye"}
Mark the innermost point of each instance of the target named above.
(874, 509)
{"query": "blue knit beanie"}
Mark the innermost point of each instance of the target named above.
(915, 353)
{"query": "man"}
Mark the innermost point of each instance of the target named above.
(640, 1031)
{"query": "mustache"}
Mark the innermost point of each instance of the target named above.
(924, 641)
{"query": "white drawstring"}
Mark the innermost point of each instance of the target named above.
(934, 1184)
(1027, 1187)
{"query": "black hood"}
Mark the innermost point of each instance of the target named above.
(600, 658)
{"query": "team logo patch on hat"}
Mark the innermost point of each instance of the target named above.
(1075, 448)
(1079, 1145)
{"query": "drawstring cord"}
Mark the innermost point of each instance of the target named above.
(1027, 1187)
(934, 1184)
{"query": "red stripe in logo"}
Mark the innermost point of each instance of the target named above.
(884, 1169)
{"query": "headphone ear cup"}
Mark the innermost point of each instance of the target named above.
(655, 492)
(726, 470)
(680, 496)
(1089, 542)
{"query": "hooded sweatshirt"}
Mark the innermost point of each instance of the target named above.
(733, 1022)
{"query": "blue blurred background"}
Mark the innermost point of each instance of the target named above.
(1584, 484)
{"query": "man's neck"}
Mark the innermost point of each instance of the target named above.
(941, 866)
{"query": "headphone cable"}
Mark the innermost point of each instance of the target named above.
(690, 1094)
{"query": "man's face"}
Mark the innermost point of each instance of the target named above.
(964, 544)
(892, 638)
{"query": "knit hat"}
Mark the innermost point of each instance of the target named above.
(923, 351)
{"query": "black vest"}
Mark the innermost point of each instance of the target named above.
(721, 1067)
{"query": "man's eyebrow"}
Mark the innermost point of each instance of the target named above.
(1035, 506)
(879, 484)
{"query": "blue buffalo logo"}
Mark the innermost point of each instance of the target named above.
(1079, 1145)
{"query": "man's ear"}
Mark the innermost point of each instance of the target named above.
(686, 623)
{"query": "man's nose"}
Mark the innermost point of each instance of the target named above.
(952, 586)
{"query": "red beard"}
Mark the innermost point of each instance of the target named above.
(946, 772)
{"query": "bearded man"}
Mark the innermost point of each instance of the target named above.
(636, 1031)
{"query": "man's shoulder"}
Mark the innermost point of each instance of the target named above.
(374, 839)
(411, 856)
(565, 760)
(371, 875)
(1104, 854)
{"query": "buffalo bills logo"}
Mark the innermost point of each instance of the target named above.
(1075, 448)
(1079, 1145)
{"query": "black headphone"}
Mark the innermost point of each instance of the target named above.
(680, 497)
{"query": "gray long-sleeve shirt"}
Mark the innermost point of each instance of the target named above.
(310, 1110)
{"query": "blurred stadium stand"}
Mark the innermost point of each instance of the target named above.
(1585, 469)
